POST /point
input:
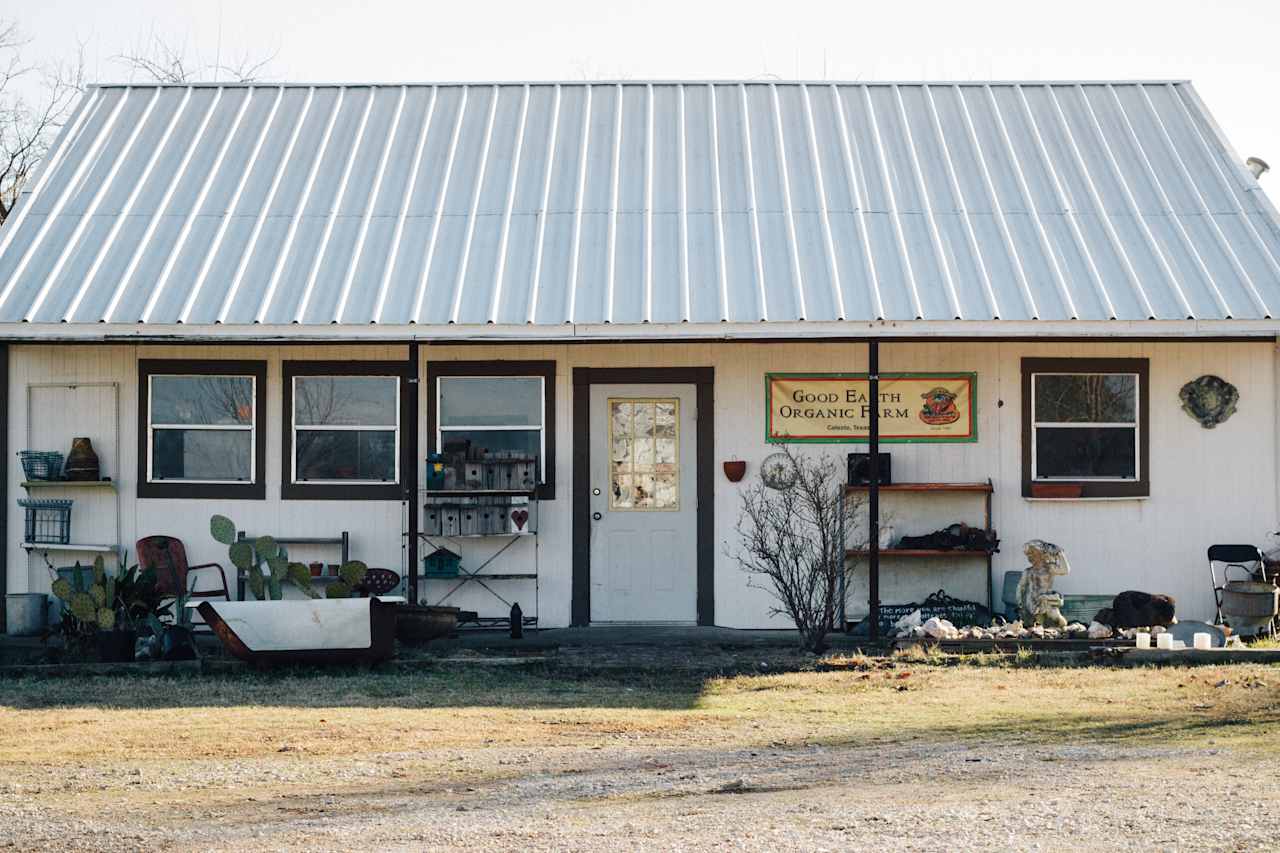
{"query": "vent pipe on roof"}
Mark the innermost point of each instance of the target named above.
(1257, 166)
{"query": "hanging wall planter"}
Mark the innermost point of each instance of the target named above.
(1209, 400)
(735, 469)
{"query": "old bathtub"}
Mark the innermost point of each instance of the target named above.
(313, 631)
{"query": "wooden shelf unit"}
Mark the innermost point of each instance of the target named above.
(985, 489)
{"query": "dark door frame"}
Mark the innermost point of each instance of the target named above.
(703, 380)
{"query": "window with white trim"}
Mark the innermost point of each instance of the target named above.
(491, 432)
(1085, 426)
(202, 428)
(346, 429)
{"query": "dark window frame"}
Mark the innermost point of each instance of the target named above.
(545, 369)
(1139, 488)
(255, 490)
(290, 490)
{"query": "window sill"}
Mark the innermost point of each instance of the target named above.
(341, 492)
(1084, 499)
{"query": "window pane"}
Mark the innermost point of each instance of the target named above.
(1066, 452)
(346, 455)
(1088, 398)
(644, 451)
(496, 401)
(506, 460)
(201, 454)
(345, 400)
(201, 400)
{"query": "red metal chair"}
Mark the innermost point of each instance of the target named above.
(168, 556)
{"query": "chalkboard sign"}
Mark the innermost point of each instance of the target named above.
(956, 611)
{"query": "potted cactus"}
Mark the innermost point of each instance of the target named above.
(91, 603)
(263, 562)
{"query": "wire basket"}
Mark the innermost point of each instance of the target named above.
(48, 522)
(41, 464)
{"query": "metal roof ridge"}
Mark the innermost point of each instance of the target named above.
(750, 81)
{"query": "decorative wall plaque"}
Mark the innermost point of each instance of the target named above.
(1209, 400)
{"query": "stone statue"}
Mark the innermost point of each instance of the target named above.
(1038, 603)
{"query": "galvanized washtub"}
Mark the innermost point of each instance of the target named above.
(308, 631)
(1249, 606)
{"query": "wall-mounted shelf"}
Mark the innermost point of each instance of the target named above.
(70, 546)
(925, 487)
(920, 552)
(69, 484)
(986, 490)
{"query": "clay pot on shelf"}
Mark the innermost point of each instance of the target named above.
(82, 461)
(735, 469)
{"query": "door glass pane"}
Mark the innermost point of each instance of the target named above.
(1081, 452)
(201, 454)
(490, 401)
(345, 400)
(201, 400)
(1106, 398)
(346, 455)
(644, 454)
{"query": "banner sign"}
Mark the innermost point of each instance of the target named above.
(834, 407)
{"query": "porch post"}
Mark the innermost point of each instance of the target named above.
(411, 470)
(873, 489)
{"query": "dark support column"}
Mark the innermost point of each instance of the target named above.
(4, 483)
(411, 470)
(873, 490)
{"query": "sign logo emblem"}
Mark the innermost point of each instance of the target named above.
(939, 407)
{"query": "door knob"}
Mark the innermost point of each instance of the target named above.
(595, 516)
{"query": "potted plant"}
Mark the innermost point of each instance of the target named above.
(91, 600)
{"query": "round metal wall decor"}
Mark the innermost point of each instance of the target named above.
(1209, 400)
(778, 471)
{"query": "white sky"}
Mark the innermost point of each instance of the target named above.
(1228, 49)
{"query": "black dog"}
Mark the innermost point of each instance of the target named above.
(1133, 609)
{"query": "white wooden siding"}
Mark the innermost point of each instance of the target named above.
(1207, 485)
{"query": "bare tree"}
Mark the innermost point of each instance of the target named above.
(27, 126)
(164, 62)
(794, 539)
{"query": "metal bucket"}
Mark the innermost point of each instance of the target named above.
(1249, 605)
(24, 613)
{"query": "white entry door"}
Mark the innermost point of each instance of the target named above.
(643, 503)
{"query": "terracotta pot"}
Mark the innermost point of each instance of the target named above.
(734, 469)
(82, 461)
(317, 569)
(1056, 490)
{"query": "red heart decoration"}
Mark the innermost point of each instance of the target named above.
(520, 516)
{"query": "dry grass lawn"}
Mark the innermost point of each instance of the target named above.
(285, 761)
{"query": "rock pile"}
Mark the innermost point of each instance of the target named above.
(911, 627)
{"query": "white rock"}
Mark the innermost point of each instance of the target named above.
(1098, 631)
(911, 620)
(940, 629)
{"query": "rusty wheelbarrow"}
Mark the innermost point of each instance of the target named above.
(306, 631)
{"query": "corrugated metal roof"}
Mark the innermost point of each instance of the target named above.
(627, 203)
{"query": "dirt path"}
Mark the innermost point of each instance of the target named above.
(909, 797)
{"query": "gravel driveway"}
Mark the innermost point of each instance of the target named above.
(914, 796)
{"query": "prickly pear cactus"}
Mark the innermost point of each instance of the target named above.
(352, 573)
(338, 589)
(257, 584)
(106, 619)
(241, 554)
(266, 547)
(62, 589)
(99, 570)
(98, 594)
(83, 607)
(223, 529)
(300, 576)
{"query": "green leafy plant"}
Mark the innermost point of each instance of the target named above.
(263, 562)
(350, 577)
